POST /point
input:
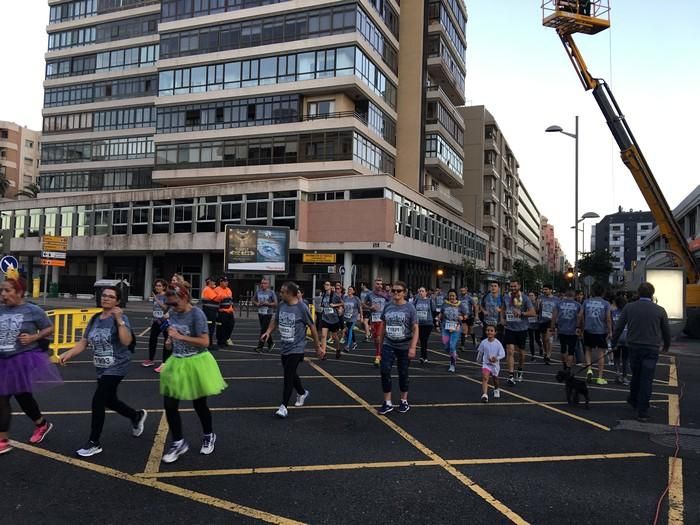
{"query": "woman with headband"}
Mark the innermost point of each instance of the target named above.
(24, 368)
(190, 374)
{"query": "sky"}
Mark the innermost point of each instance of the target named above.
(519, 70)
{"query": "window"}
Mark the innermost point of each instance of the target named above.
(230, 210)
(120, 218)
(161, 216)
(321, 107)
(182, 218)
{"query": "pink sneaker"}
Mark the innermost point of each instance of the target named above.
(40, 433)
(147, 363)
(157, 370)
(5, 446)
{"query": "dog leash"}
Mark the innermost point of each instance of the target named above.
(589, 366)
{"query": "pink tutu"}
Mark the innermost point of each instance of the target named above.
(27, 372)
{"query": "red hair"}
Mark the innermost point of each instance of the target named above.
(19, 285)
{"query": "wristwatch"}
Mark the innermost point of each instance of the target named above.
(121, 323)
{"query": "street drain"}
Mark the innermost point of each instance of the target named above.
(687, 442)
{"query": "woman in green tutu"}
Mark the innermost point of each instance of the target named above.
(190, 373)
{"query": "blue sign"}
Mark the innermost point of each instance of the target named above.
(8, 262)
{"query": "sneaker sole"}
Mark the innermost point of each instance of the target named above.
(206, 453)
(404, 411)
(168, 461)
(98, 451)
(139, 431)
(385, 412)
(6, 450)
(43, 435)
(301, 404)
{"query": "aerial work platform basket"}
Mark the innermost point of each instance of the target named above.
(576, 16)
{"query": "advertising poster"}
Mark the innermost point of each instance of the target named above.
(256, 249)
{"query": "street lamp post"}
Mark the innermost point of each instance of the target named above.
(574, 135)
(587, 215)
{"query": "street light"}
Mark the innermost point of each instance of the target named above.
(574, 135)
(587, 215)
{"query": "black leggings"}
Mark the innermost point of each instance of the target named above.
(424, 331)
(225, 327)
(153, 342)
(26, 402)
(172, 414)
(622, 360)
(264, 321)
(290, 362)
(106, 397)
(533, 334)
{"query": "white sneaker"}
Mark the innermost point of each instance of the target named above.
(208, 441)
(451, 369)
(301, 399)
(496, 393)
(137, 426)
(520, 376)
(484, 398)
(282, 412)
(176, 450)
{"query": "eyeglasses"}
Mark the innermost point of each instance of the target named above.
(107, 296)
(397, 290)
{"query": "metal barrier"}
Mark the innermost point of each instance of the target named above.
(68, 327)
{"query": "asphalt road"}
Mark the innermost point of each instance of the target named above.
(528, 458)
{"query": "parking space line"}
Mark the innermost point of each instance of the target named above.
(159, 485)
(156, 454)
(675, 491)
(465, 480)
(672, 372)
(389, 465)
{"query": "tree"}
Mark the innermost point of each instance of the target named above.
(30, 190)
(472, 274)
(597, 264)
(526, 275)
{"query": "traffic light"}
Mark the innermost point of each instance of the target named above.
(569, 274)
(4, 241)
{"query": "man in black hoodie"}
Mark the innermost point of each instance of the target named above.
(647, 330)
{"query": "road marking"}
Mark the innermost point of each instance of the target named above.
(674, 410)
(144, 332)
(156, 454)
(675, 491)
(465, 480)
(672, 372)
(159, 485)
(544, 405)
(388, 464)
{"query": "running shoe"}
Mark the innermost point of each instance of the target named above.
(377, 360)
(625, 381)
(484, 398)
(91, 448)
(282, 412)
(511, 380)
(404, 407)
(158, 369)
(272, 347)
(40, 432)
(342, 340)
(353, 347)
(547, 360)
(137, 424)
(147, 363)
(368, 338)
(421, 360)
(589, 376)
(451, 369)
(259, 348)
(329, 340)
(385, 409)
(229, 342)
(496, 393)
(601, 381)
(208, 441)
(177, 449)
(5, 446)
(532, 357)
(301, 399)
(520, 376)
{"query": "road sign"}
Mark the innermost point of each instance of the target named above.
(588, 280)
(53, 255)
(53, 262)
(318, 258)
(52, 243)
(8, 262)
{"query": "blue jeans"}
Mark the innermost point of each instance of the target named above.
(389, 353)
(348, 338)
(450, 340)
(643, 365)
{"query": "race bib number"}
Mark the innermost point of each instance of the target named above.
(103, 361)
(450, 326)
(376, 317)
(395, 332)
(422, 315)
(532, 320)
(510, 317)
(263, 310)
(286, 333)
(546, 314)
(158, 314)
(328, 310)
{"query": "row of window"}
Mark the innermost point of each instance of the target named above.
(278, 69)
(181, 9)
(108, 149)
(438, 11)
(437, 113)
(117, 60)
(113, 89)
(276, 29)
(438, 48)
(85, 8)
(437, 147)
(96, 180)
(108, 120)
(378, 121)
(461, 18)
(107, 32)
(388, 14)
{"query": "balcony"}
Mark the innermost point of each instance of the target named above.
(444, 198)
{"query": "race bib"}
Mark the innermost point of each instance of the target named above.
(450, 326)
(532, 320)
(158, 314)
(376, 317)
(510, 317)
(395, 332)
(328, 310)
(546, 314)
(103, 361)
(263, 310)
(422, 315)
(286, 333)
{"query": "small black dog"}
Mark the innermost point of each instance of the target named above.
(574, 387)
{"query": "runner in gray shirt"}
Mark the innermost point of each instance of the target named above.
(291, 319)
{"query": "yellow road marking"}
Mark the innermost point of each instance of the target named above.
(156, 454)
(675, 491)
(145, 332)
(674, 410)
(465, 480)
(159, 485)
(546, 406)
(388, 464)
(672, 372)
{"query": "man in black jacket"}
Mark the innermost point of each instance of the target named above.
(647, 330)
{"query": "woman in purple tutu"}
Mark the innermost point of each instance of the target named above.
(24, 367)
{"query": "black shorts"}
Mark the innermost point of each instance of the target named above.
(469, 321)
(568, 344)
(595, 340)
(544, 326)
(332, 327)
(516, 338)
(365, 315)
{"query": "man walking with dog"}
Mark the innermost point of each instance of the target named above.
(647, 331)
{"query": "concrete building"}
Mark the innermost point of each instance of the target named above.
(528, 241)
(19, 157)
(491, 182)
(553, 256)
(254, 113)
(623, 234)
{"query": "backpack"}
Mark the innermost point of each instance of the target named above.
(132, 345)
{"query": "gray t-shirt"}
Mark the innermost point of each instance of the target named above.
(375, 303)
(21, 319)
(110, 356)
(547, 307)
(424, 310)
(451, 313)
(398, 324)
(158, 311)
(521, 302)
(192, 324)
(490, 306)
(351, 308)
(292, 320)
(265, 296)
(567, 313)
(595, 315)
(328, 313)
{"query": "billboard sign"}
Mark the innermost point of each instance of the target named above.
(256, 249)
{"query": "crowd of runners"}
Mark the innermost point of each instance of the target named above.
(501, 324)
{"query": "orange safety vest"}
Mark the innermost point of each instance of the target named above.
(224, 296)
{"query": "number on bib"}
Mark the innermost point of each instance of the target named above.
(450, 326)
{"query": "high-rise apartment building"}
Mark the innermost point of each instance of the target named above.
(553, 256)
(491, 182)
(623, 234)
(528, 240)
(166, 120)
(19, 157)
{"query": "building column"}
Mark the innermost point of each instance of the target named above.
(395, 270)
(206, 266)
(148, 277)
(375, 270)
(54, 274)
(347, 264)
(100, 267)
